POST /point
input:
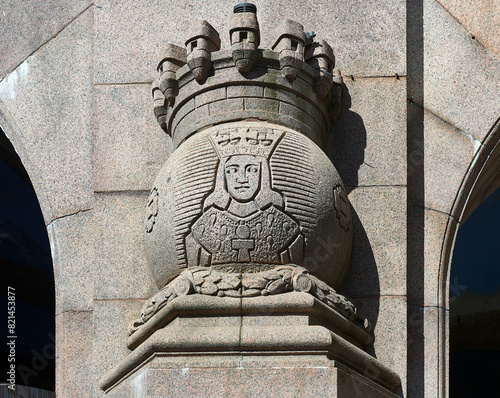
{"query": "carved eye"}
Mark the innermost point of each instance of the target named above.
(252, 169)
(231, 170)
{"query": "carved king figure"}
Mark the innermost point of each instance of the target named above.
(247, 206)
(243, 219)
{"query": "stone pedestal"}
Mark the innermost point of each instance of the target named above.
(285, 345)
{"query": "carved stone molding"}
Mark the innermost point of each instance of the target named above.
(203, 280)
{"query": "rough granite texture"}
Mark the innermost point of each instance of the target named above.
(379, 243)
(122, 273)
(73, 259)
(389, 314)
(368, 147)
(129, 148)
(25, 27)
(368, 38)
(111, 319)
(426, 287)
(50, 97)
(460, 76)
(77, 134)
(75, 340)
(297, 382)
(442, 162)
(477, 17)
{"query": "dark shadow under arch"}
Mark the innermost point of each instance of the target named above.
(481, 180)
(25, 270)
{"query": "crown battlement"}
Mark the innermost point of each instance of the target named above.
(293, 84)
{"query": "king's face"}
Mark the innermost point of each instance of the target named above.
(242, 173)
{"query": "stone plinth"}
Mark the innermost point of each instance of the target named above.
(263, 346)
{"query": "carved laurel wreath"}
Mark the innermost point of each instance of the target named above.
(287, 278)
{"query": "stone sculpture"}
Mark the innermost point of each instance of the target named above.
(248, 214)
(254, 192)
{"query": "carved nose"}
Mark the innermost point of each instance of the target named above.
(242, 177)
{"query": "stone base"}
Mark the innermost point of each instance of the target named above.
(292, 344)
(245, 377)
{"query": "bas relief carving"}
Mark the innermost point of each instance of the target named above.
(248, 227)
(243, 219)
(247, 195)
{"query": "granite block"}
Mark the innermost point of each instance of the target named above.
(460, 76)
(477, 17)
(210, 96)
(49, 96)
(428, 270)
(267, 380)
(369, 38)
(368, 144)
(73, 259)
(378, 264)
(188, 107)
(120, 266)
(129, 146)
(447, 155)
(427, 366)
(26, 26)
(224, 107)
(262, 104)
(74, 358)
(111, 321)
(245, 91)
(388, 315)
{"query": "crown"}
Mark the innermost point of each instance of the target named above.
(293, 84)
(245, 141)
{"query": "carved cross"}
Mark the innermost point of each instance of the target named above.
(243, 246)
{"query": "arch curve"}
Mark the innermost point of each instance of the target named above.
(481, 180)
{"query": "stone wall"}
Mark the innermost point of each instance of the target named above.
(421, 102)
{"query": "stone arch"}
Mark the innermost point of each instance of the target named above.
(12, 131)
(481, 180)
(28, 266)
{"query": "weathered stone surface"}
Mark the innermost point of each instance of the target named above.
(368, 144)
(25, 27)
(73, 260)
(289, 206)
(191, 326)
(257, 311)
(379, 242)
(478, 17)
(74, 357)
(460, 79)
(110, 336)
(359, 50)
(217, 382)
(425, 326)
(446, 153)
(389, 315)
(120, 266)
(129, 147)
(263, 93)
(429, 279)
(54, 120)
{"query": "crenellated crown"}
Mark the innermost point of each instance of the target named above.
(294, 84)
(244, 141)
